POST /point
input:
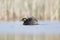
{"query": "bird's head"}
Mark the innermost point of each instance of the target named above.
(23, 19)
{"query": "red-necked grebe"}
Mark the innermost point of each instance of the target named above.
(30, 21)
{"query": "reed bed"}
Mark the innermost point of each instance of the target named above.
(13, 10)
(29, 36)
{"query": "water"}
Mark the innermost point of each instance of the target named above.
(18, 27)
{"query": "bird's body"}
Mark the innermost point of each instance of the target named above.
(30, 21)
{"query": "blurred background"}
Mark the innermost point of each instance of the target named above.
(13, 10)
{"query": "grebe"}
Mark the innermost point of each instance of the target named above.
(30, 21)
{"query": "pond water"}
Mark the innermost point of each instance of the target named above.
(18, 27)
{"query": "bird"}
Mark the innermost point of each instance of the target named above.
(30, 21)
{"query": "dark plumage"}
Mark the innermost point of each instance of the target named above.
(30, 21)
